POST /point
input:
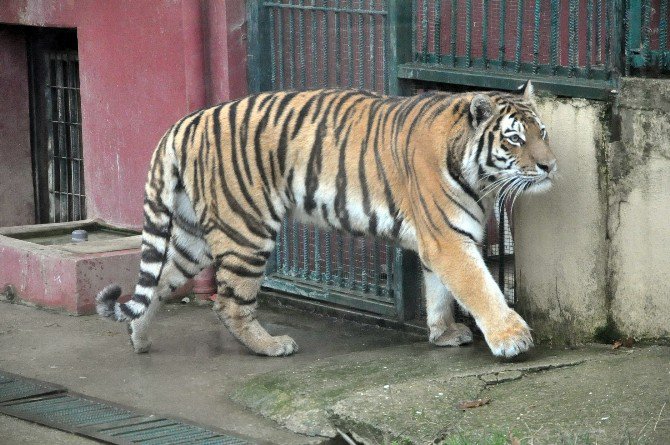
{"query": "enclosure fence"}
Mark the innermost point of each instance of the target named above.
(576, 48)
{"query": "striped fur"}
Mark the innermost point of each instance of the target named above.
(421, 171)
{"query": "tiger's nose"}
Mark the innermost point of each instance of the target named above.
(548, 166)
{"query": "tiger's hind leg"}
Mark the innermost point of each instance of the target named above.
(239, 272)
(444, 331)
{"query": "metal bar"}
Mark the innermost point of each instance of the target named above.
(350, 10)
(414, 19)
(437, 31)
(485, 33)
(646, 32)
(273, 54)
(375, 267)
(468, 32)
(302, 42)
(554, 35)
(501, 42)
(327, 238)
(384, 49)
(350, 46)
(305, 251)
(663, 26)
(573, 40)
(314, 77)
(340, 259)
(536, 36)
(326, 53)
(373, 52)
(519, 36)
(400, 49)
(259, 78)
(389, 270)
(280, 48)
(351, 278)
(454, 15)
(338, 65)
(563, 86)
(589, 35)
(424, 31)
(291, 34)
(286, 265)
(598, 31)
(296, 249)
(633, 34)
(316, 276)
(364, 264)
(361, 39)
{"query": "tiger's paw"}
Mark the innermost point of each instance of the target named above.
(509, 337)
(279, 346)
(455, 335)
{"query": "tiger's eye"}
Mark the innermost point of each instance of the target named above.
(515, 139)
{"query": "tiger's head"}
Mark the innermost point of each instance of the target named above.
(512, 144)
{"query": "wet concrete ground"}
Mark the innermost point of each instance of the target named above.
(378, 385)
(194, 365)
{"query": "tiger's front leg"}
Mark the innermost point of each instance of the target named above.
(460, 267)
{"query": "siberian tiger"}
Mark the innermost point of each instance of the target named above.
(421, 171)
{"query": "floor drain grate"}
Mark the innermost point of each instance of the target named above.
(53, 406)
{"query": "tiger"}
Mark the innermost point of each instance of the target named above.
(424, 172)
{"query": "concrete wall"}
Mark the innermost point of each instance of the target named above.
(639, 212)
(560, 235)
(143, 65)
(16, 178)
(592, 254)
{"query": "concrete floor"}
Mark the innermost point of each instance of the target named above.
(193, 368)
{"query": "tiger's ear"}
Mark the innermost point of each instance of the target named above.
(481, 109)
(528, 91)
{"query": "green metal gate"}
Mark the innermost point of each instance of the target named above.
(301, 44)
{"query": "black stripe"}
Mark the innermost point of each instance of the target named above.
(454, 170)
(182, 269)
(147, 279)
(244, 136)
(283, 104)
(232, 116)
(250, 260)
(242, 271)
(454, 228)
(283, 142)
(314, 168)
(150, 254)
(142, 299)
(128, 312)
(229, 292)
(302, 114)
(184, 252)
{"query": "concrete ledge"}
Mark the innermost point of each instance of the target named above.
(66, 276)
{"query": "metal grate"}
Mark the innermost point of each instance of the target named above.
(320, 43)
(647, 42)
(52, 406)
(568, 47)
(66, 165)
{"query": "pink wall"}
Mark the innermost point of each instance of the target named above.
(16, 180)
(143, 65)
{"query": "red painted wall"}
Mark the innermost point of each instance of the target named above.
(16, 180)
(143, 65)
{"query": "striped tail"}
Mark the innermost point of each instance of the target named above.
(106, 304)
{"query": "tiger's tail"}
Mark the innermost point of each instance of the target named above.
(156, 233)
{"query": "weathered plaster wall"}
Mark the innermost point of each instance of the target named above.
(16, 179)
(560, 235)
(639, 212)
(143, 65)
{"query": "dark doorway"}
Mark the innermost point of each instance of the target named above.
(55, 109)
